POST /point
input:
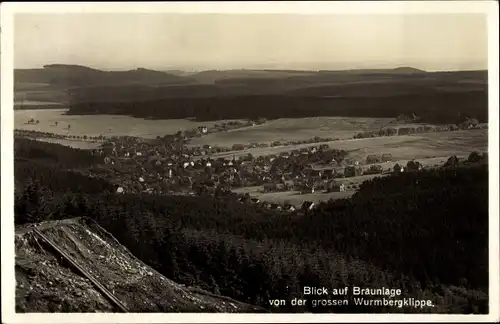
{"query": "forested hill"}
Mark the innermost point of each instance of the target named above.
(70, 76)
(424, 232)
(210, 95)
(431, 107)
(437, 97)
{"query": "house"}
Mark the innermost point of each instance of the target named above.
(352, 171)
(324, 147)
(374, 169)
(246, 158)
(282, 186)
(334, 186)
(255, 200)
(413, 166)
(315, 173)
(238, 147)
(328, 173)
(386, 157)
(266, 178)
(397, 168)
(307, 205)
(267, 205)
(276, 207)
(319, 184)
(470, 123)
(203, 129)
(372, 159)
(244, 199)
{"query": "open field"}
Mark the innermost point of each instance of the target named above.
(296, 199)
(35, 103)
(107, 125)
(405, 147)
(84, 145)
(292, 197)
(426, 162)
(425, 146)
(290, 129)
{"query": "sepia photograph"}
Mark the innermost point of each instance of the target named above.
(259, 160)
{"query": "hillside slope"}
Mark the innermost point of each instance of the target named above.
(76, 85)
(68, 76)
(46, 284)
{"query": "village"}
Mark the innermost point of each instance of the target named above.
(169, 165)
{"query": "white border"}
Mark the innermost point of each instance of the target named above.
(8, 10)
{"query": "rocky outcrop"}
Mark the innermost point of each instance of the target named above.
(74, 265)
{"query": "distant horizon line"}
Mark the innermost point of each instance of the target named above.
(198, 70)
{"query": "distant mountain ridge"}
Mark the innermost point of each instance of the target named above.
(69, 66)
(407, 69)
(73, 84)
(78, 75)
(64, 73)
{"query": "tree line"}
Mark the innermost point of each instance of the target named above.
(63, 156)
(432, 107)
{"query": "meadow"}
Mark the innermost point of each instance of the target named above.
(294, 129)
(296, 199)
(430, 149)
(84, 145)
(107, 125)
(404, 147)
(292, 197)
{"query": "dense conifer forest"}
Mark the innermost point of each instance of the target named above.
(424, 232)
(432, 107)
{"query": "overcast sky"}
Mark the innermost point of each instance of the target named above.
(217, 41)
